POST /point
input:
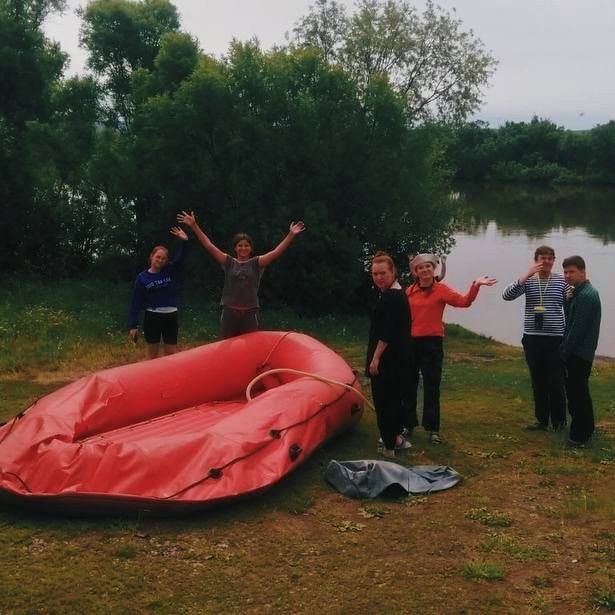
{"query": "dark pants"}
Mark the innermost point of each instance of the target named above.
(236, 322)
(386, 393)
(428, 356)
(158, 325)
(580, 404)
(547, 375)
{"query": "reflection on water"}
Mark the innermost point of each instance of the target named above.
(535, 212)
(501, 229)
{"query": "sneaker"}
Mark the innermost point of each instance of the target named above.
(389, 453)
(537, 427)
(402, 444)
(406, 432)
(574, 444)
(434, 438)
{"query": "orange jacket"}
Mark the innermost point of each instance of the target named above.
(427, 306)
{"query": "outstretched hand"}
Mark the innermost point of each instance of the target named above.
(485, 281)
(296, 227)
(189, 219)
(178, 232)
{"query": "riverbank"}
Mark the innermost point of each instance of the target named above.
(529, 530)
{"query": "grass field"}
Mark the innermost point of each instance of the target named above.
(530, 530)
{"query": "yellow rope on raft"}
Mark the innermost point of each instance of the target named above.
(309, 375)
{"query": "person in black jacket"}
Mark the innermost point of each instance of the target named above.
(388, 353)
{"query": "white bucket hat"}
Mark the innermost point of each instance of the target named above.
(419, 259)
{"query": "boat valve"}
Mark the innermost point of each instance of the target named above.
(294, 451)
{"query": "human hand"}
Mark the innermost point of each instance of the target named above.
(178, 232)
(189, 219)
(569, 292)
(296, 227)
(373, 367)
(485, 281)
(133, 335)
(534, 269)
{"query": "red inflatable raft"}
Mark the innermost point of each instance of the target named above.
(177, 433)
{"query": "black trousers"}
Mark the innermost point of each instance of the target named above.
(580, 404)
(547, 376)
(428, 356)
(386, 393)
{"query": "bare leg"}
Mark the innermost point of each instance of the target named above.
(168, 349)
(152, 350)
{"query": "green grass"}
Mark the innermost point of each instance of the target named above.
(513, 547)
(604, 599)
(482, 571)
(301, 547)
(490, 518)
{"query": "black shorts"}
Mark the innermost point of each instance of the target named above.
(158, 325)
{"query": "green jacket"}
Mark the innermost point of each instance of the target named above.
(583, 312)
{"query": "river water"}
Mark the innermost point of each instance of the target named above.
(501, 229)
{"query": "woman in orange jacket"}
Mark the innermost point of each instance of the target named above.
(427, 298)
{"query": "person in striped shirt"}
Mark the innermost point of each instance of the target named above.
(543, 330)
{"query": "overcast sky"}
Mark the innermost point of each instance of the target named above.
(556, 57)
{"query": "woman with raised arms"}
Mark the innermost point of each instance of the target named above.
(242, 274)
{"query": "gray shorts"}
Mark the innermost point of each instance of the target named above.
(235, 322)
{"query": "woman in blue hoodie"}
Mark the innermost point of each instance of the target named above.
(156, 291)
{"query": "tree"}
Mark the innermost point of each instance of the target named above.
(30, 67)
(602, 139)
(438, 68)
(259, 139)
(121, 37)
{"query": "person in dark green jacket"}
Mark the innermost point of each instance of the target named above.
(578, 348)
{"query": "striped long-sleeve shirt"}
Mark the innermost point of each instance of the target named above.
(550, 293)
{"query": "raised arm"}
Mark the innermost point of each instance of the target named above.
(517, 288)
(294, 229)
(190, 220)
(456, 299)
(180, 253)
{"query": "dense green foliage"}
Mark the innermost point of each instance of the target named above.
(94, 169)
(538, 151)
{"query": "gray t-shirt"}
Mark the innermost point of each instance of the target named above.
(241, 282)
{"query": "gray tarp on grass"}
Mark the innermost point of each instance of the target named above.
(368, 478)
